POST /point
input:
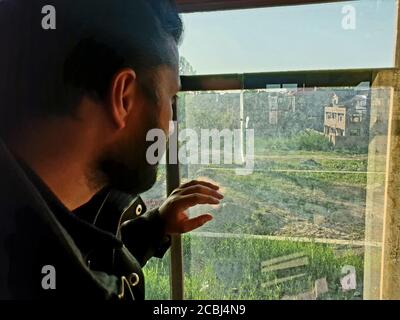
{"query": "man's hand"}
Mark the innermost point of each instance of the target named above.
(193, 193)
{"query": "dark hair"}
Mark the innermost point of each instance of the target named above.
(47, 72)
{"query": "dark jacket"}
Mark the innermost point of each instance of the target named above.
(36, 231)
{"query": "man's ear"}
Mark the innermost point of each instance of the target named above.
(122, 96)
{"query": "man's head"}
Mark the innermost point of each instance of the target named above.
(116, 58)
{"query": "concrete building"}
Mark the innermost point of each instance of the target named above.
(347, 124)
(280, 102)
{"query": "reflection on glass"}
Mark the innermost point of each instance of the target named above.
(157, 270)
(305, 222)
(156, 195)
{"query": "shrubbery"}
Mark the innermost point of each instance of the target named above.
(308, 140)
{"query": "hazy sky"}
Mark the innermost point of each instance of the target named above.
(291, 38)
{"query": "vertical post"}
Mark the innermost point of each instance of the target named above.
(390, 262)
(242, 126)
(376, 188)
(173, 182)
(390, 273)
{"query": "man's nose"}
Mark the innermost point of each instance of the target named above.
(171, 128)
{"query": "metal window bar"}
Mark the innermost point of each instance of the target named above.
(253, 81)
(176, 253)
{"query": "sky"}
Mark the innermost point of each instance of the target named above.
(308, 37)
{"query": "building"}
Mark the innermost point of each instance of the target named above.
(280, 102)
(347, 124)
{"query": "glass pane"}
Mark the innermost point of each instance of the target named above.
(302, 217)
(352, 34)
(157, 271)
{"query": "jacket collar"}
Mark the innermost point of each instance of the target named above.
(87, 236)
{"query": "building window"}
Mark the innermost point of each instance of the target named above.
(356, 118)
(355, 132)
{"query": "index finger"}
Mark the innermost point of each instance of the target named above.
(197, 182)
(191, 200)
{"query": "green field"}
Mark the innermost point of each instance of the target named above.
(318, 195)
(231, 269)
(311, 194)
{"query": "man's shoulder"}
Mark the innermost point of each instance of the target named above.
(33, 244)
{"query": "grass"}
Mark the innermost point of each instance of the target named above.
(306, 140)
(272, 198)
(295, 191)
(231, 269)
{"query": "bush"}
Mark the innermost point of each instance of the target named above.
(308, 140)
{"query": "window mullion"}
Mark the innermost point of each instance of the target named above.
(176, 253)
